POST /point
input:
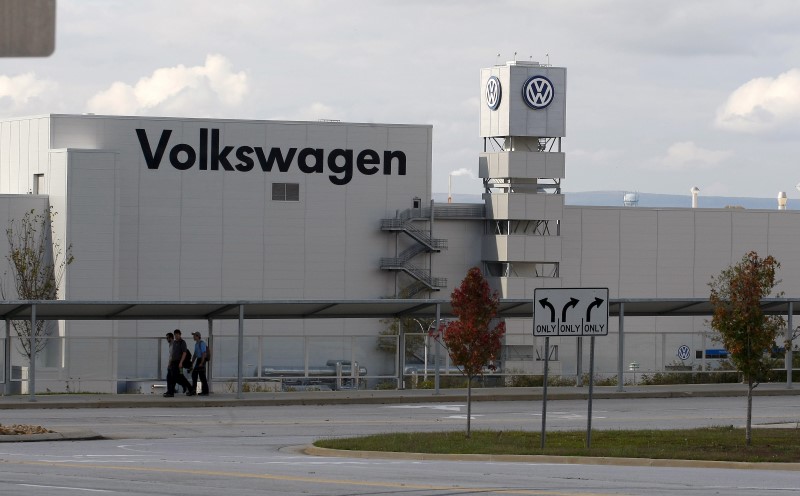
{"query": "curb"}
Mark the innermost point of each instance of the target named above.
(543, 459)
(374, 397)
(51, 436)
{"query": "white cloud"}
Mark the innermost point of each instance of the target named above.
(601, 156)
(189, 91)
(763, 104)
(463, 172)
(23, 91)
(315, 112)
(686, 155)
(716, 188)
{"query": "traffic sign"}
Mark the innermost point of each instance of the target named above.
(570, 312)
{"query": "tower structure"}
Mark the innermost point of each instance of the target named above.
(522, 121)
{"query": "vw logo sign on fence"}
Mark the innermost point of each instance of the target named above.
(537, 92)
(493, 93)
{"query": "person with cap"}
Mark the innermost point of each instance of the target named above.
(177, 355)
(199, 370)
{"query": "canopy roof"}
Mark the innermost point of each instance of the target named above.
(334, 309)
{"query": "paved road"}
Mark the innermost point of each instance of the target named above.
(256, 450)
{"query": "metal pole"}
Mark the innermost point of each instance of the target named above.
(430, 255)
(401, 348)
(621, 348)
(427, 344)
(579, 360)
(544, 389)
(7, 359)
(32, 368)
(240, 355)
(160, 369)
(591, 391)
(209, 344)
(788, 346)
(436, 349)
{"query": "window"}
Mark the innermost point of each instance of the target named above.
(38, 184)
(285, 192)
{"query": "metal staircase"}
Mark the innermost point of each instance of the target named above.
(406, 226)
(424, 243)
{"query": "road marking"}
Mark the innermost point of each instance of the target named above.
(344, 482)
(67, 487)
(447, 408)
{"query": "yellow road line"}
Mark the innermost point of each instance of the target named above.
(315, 480)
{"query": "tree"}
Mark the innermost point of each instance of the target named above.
(743, 328)
(471, 341)
(37, 269)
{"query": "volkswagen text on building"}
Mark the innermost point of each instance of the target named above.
(179, 209)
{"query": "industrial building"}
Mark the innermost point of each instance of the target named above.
(184, 209)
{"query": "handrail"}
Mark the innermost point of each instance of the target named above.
(434, 244)
(445, 211)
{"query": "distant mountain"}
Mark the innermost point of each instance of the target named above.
(614, 199)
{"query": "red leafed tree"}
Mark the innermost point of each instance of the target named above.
(742, 326)
(472, 342)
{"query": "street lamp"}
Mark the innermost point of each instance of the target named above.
(633, 367)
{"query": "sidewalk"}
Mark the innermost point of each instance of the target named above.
(385, 396)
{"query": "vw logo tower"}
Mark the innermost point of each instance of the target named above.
(522, 121)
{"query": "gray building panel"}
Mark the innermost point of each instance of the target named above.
(712, 244)
(638, 252)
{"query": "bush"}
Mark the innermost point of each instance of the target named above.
(523, 380)
(725, 373)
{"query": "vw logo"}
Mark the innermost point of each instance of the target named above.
(683, 352)
(493, 93)
(537, 92)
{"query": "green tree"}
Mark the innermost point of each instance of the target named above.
(742, 327)
(471, 340)
(38, 264)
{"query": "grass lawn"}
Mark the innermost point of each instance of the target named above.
(714, 443)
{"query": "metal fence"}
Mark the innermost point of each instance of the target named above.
(324, 362)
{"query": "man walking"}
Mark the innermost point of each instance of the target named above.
(199, 370)
(177, 355)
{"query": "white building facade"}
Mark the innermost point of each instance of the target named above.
(202, 209)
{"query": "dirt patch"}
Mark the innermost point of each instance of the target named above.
(6, 430)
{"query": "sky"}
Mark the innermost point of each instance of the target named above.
(661, 95)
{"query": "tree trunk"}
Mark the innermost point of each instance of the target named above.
(469, 405)
(748, 433)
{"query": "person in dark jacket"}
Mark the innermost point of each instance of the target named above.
(177, 354)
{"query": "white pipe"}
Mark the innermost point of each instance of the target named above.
(450, 188)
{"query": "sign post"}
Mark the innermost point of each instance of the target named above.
(570, 312)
